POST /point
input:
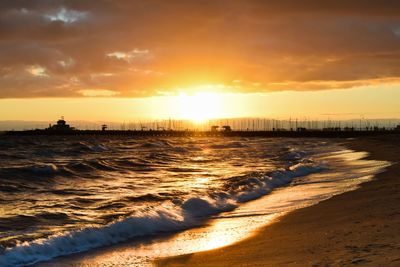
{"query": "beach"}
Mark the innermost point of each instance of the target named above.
(357, 227)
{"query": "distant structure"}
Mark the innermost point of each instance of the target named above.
(214, 128)
(61, 126)
(226, 128)
(104, 127)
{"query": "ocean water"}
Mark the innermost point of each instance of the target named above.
(64, 195)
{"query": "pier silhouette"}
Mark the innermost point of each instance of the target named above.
(231, 127)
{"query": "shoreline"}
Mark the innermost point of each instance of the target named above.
(356, 227)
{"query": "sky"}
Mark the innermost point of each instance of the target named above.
(122, 60)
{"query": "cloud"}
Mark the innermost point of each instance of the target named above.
(140, 48)
(37, 71)
(66, 63)
(131, 56)
(98, 93)
(65, 15)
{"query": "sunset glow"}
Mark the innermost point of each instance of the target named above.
(132, 131)
(197, 61)
(199, 107)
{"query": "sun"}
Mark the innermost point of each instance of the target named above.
(199, 107)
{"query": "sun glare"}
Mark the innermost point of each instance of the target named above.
(199, 107)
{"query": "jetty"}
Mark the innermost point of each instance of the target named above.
(62, 128)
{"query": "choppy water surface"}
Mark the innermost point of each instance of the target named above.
(62, 195)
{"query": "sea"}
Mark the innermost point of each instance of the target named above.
(150, 197)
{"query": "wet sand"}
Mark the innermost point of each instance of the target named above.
(357, 227)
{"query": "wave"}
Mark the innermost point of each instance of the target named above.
(10, 188)
(42, 169)
(156, 144)
(103, 164)
(35, 170)
(174, 215)
(252, 188)
(32, 172)
(178, 169)
(228, 145)
(85, 239)
(108, 165)
(84, 147)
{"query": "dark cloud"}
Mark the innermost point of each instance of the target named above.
(139, 48)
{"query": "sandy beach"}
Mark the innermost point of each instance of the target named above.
(358, 227)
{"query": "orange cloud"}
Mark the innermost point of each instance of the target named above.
(141, 48)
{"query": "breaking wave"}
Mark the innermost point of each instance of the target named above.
(174, 215)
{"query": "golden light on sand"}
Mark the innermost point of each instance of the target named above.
(199, 107)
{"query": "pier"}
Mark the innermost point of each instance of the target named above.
(224, 128)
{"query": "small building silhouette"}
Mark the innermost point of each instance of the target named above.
(226, 128)
(104, 127)
(60, 126)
